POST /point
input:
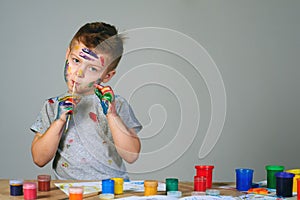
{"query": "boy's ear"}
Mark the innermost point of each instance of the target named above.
(108, 76)
(67, 53)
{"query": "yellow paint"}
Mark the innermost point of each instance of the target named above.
(118, 185)
(297, 175)
(150, 187)
(80, 72)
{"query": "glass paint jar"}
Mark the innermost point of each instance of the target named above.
(271, 171)
(16, 187)
(30, 190)
(297, 175)
(108, 186)
(75, 193)
(44, 182)
(200, 183)
(171, 184)
(150, 187)
(118, 185)
(298, 188)
(207, 171)
(284, 184)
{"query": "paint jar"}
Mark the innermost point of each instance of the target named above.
(205, 170)
(298, 189)
(75, 193)
(244, 179)
(108, 186)
(297, 175)
(150, 187)
(44, 182)
(16, 187)
(199, 183)
(30, 190)
(171, 184)
(118, 185)
(271, 171)
(284, 184)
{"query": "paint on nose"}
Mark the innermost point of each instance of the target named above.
(80, 72)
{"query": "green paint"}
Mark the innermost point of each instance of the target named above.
(91, 84)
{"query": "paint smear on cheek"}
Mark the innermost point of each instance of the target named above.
(91, 84)
(102, 61)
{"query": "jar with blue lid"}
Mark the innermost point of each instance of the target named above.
(16, 187)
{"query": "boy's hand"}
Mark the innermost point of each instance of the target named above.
(107, 98)
(65, 107)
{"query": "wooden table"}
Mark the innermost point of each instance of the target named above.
(55, 193)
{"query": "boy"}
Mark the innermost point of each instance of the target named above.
(88, 131)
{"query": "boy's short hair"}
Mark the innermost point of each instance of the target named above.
(102, 37)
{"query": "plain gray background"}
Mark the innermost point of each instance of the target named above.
(254, 43)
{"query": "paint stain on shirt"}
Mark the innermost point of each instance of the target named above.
(93, 117)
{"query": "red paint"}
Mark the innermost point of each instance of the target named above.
(50, 101)
(298, 189)
(93, 116)
(102, 60)
(205, 170)
(200, 183)
(44, 182)
(29, 190)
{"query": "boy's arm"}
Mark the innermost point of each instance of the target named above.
(126, 140)
(44, 146)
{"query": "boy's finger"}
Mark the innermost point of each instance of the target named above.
(98, 93)
(99, 87)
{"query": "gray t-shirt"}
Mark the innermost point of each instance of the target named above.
(86, 150)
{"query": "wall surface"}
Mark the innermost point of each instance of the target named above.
(213, 82)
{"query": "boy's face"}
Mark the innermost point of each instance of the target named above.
(84, 68)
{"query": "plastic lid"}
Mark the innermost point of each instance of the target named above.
(294, 171)
(258, 191)
(244, 170)
(196, 193)
(118, 180)
(106, 196)
(150, 183)
(213, 192)
(29, 185)
(16, 182)
(284, 175)
(44, 177)
(204, 167)
(176, 194)
(108, 182)
(274, 167)
(75, 190)
(172, 180)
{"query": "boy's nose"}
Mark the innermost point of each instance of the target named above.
(79, 72)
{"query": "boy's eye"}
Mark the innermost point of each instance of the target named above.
(93, 69)
(75, 60)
